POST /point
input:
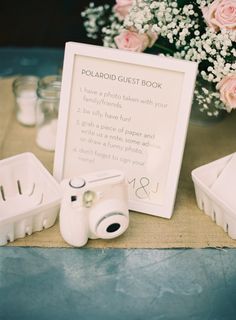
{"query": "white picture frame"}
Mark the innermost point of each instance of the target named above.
(128, 111)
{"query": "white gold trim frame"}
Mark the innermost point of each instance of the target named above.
(128, 111)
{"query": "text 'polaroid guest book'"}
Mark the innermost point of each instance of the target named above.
(127, 111)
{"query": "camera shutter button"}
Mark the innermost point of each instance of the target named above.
(77, 183)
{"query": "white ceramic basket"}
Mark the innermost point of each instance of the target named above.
(215, 206)
(29, 197)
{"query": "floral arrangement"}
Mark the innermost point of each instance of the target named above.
(195, 30)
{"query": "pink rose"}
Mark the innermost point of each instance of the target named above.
(221, 14)
(133, 41)
(122, 8)
(227, 88)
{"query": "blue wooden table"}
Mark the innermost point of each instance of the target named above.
(38, 283)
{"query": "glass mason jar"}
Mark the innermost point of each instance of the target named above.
(25, 92)
(48, 91)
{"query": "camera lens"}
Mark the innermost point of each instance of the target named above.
(107, 223)
(113, 227)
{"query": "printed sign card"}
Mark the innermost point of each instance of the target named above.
(128, 111)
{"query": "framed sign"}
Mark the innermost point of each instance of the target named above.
(128, 111)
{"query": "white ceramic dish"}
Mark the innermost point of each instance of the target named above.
(29, 197)
(213, 200)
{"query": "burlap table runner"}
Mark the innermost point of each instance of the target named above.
(188, 227)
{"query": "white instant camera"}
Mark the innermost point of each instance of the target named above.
(94, 206)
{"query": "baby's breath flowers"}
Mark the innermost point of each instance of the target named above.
(195, 30)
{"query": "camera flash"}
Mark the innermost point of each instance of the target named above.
(88, 198)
